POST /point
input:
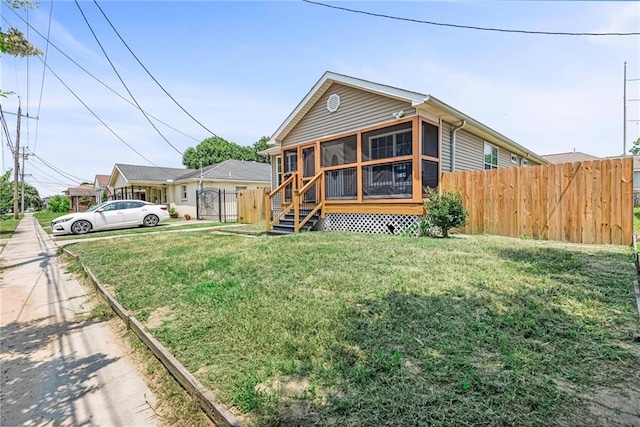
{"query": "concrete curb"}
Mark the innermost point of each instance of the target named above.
(215, 410)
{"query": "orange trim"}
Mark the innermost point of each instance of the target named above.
(411, 208)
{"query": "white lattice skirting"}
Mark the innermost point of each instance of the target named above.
(369, 223)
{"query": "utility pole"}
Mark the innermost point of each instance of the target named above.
(16, 163)
(25, 154)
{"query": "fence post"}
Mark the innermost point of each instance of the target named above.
(219, 206)
(197, 204)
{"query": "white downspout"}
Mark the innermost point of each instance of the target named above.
(453, 144)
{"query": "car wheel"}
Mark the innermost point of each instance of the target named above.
(81, 227)
(150, 221)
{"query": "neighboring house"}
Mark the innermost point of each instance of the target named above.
(376, 149)
(101, 187)
(81, 197)
(178, 187)
(577, 156)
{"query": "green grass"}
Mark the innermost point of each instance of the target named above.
(136, 230)
(348, 329)
(8, 225)
(44, 219)
(636, 220)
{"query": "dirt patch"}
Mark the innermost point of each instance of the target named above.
(158, 317)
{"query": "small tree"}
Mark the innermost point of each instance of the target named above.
(59, 203)
(445, 211)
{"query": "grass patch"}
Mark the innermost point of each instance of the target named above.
(138, 230)
(349, 329)
(44, 219)
(8, 225)
(636, 220)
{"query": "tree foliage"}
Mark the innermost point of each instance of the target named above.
(445, 211)
(12, 41)
(635, 150)
(59, 203)
(215, 150)
(31, 196)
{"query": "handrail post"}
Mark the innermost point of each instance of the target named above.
(267, 210)
(296, 210)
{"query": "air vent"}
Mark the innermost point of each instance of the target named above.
(333, 102)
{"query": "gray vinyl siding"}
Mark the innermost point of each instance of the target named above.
(445, 147)
(469, 152)
(358, 109)
(504, 158)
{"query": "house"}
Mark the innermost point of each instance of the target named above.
(101, 187)
(81, 197)
(577, 156)
(182, 188)
(361, 155)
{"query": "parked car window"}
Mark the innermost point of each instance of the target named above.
(133, 205)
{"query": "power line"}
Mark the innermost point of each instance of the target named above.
(44, 72)
(59, 171)
(5, 128)
(467, 27)
(122, 81)
(94, 77)
(149, 73)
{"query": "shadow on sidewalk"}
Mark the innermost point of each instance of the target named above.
(36, 392)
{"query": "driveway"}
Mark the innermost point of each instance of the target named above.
(57, 367)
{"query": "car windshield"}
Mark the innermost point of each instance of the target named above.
(95, 207)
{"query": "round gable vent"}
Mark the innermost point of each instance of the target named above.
(333, 102)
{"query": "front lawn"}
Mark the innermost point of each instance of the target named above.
(352, 330)
(8, 225)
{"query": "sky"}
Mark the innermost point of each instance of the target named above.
(239, 68)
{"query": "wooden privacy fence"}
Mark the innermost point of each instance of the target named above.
(582, 202)
(251, 208)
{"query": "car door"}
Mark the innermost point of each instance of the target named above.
(110, 216)
(134, 212)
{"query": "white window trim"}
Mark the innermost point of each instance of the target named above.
(395, 142)
(484, 163)
(183, 192)
(524, 162)
(278, 170)
(514, 159)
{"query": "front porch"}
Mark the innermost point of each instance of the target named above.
(382, 170)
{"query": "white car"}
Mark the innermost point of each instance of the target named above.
(108, 215)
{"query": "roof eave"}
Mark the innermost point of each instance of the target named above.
(476, 124)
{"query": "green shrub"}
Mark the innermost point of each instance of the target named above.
(59, 203)
(445, 211)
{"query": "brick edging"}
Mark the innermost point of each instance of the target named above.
(215, 410)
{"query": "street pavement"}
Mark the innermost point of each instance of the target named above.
(57, 367)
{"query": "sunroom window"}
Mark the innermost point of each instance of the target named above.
(387, 180)
(389, 142)
(339, 152)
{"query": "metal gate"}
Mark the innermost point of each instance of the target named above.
(215, 204)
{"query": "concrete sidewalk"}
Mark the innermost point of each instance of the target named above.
(58, 369)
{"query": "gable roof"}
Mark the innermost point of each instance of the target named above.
(416, 99)
(150, 173)
(102, 180)
(229, 170)
(573, 156)
(82, 190)
(234, 170)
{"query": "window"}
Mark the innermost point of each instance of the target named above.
(184, 192)
(429, 140)
(514, 159)
(278, 171)
(341, 184)
(133, 205)
(240, 188)
(339, 152)
(490, 156)
(429, 176)
(387, 180)
(524, 162)
(290, 161)
(392, 141)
